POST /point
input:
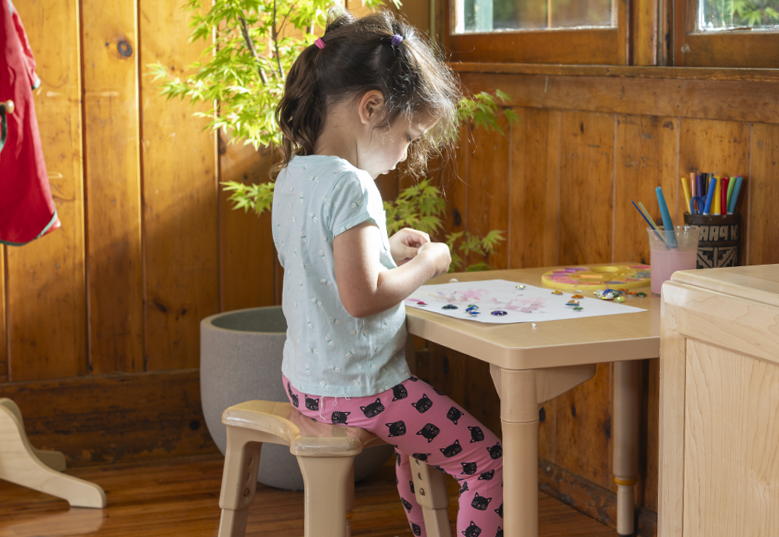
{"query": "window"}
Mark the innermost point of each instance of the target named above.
(727, 33)
(715, 15)
(538, 31)
(693, 33)
(507, 15)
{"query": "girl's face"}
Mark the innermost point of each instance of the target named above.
(386, 147)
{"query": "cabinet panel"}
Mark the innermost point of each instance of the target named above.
(731, 464)
(719, 403)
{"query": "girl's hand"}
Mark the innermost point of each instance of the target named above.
(438, 255)
(405, 244)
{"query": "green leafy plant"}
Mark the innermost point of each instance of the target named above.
(740, 13)
(421, 207)
(253, 46)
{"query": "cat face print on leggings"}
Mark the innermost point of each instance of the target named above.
(423, 405)
(452, 449)
(496, 451)
(373, 409)
(339, 417)
(399, 392)
(397, 428)
(429, 432)
(472, 530)
(453, 415)
(480, 502)
(292, 396)
(312, 404)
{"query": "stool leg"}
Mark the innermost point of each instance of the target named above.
(239, 481)
(431, 493)
(349, 502)
(325, 488)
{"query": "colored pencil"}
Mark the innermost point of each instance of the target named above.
(649, 221)
(686, 191)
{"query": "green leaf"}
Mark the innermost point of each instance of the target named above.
(478, 267)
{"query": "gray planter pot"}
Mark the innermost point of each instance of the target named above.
(240, 360)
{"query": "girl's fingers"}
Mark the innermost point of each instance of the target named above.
(415, 237)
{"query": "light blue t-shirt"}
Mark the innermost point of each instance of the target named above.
(327, 351)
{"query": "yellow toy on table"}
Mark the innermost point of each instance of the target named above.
(597, 278)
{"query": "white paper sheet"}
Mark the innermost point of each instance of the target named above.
(531, 304)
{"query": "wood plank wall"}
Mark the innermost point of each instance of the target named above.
(99, 320)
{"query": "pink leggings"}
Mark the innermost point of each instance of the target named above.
(420, 422)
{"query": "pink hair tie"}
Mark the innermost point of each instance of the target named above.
(319, 43)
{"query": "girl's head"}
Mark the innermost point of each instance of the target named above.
(381, 55)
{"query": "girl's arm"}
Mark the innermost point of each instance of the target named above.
(364, 286)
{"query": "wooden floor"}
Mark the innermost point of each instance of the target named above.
(180, 498)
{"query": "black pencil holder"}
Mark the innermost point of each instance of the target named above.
(720, 235)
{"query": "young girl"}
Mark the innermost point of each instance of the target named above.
(365, 96)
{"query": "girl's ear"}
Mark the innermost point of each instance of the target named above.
(370, 107)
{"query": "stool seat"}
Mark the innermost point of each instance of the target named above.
(285, 426)
(325, 454)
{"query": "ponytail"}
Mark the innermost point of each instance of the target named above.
(354, 56)
(300, 114)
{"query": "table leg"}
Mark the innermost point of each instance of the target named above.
(519, 418)
(626, 424)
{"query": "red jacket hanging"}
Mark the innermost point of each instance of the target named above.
(26, 208)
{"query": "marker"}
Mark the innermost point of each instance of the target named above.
(731, 184)
(734, 197)
(709, 196)
(686, 191)
(700, 189)
(724, 195)
(668, 224)
(715, 186)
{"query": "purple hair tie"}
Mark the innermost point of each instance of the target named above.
(319, 43)
(396, 39)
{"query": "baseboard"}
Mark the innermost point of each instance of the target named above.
(589, 498)
(117, 417)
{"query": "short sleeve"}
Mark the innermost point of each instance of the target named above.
(350, 204)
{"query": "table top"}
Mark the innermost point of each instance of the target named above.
(609, 338)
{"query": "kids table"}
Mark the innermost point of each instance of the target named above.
(531, 365)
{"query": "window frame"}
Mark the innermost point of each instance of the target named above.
(648, 33)
(724, 48)
(587, 46)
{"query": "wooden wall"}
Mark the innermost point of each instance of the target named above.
(99, 320)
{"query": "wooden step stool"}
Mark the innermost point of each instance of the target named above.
(325, 454)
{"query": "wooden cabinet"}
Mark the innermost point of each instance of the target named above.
(719, 403)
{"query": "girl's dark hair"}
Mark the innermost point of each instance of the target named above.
(359, 56)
